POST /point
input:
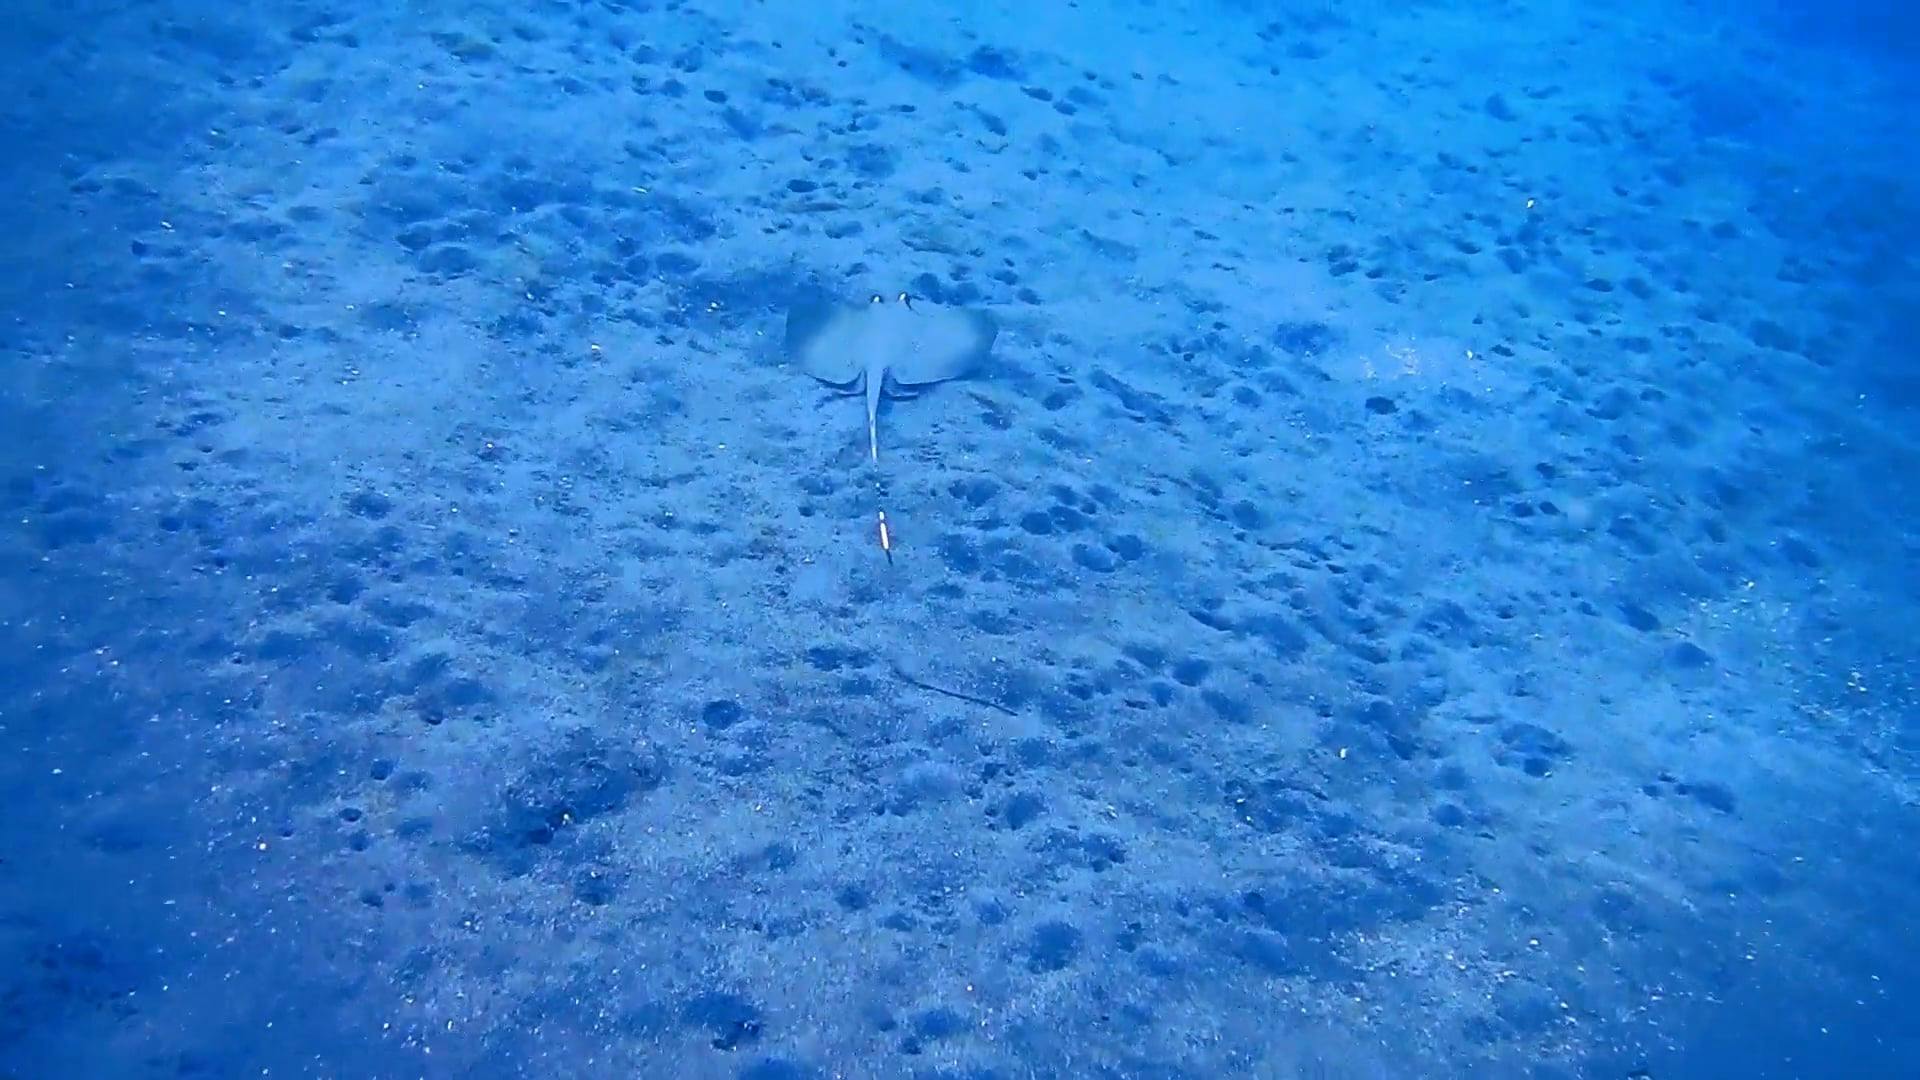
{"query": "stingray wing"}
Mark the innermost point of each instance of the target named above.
(825, 339)
(926, 343)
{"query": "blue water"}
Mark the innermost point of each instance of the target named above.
(1421, 587)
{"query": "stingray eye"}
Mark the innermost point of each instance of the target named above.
(906, 298)
(877, 298)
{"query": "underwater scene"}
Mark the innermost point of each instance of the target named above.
(814, 540)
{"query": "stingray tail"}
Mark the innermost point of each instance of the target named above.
(885, 531)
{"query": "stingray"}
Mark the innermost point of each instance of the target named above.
(886, 346)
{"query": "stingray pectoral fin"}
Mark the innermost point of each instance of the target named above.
(933, 344)
(823, 339)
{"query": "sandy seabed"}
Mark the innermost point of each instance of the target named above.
(1423, 589)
